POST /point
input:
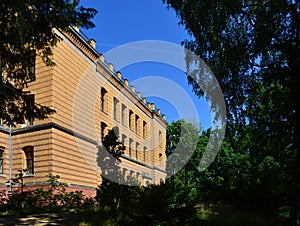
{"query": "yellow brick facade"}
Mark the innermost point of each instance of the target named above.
(89, 98)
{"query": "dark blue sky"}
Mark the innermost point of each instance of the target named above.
(120, 22)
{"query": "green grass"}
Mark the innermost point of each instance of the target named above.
(228, 216)
(207, 216)
(212, 216)
(89, 218)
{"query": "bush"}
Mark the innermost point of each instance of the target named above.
(54, 198)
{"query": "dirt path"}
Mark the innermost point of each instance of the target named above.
(37, 219)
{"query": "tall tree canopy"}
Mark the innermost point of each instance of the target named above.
(252, 47)
(27, 29)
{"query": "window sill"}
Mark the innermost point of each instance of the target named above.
(2, 175)
(28, 175)
(104, 112)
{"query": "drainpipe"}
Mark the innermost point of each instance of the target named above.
(151, 150)
(10, 138)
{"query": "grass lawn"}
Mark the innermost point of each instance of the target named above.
(228, 216)
(217, 216)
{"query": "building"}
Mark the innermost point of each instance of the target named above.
(90, 98)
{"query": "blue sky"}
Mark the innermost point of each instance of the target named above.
(121, 23)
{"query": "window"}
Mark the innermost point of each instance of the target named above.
(137, 150)
(144, 154)
(124, 173)
(1, 159)
(147, 183)
(124, 139)
(103, 100)
(2, 69)
(144, 129)
(130, 147)
(29, 103)
(31, 68)
(29, 159)
(130, 119)
(123, 114)
(131, 174)
(137, 119)
(116, 108)
(103, 127)
(160, 159)
(160, 138)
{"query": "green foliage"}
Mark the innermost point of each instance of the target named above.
(252, 47)
(110, 192)
(28, 29)
(182, 140)
(53, 197)
(109, 155)
(19, 178)
(164, 204)
(215, 215)
(233, 179)
(229, 178)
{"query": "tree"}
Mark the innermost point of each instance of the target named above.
(252, 47)
(109, 155)
(182, 140)
(27, 30)
(111, 190)
(131, 204)
(224, 181)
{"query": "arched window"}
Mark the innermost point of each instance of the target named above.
(137, 121)
(29, 159)
(130, 147)
(1, 159)
(29, 101)
(103, 99)
(116, 109)
(137, 147)
(144, 154)
(130, 115)
(144, 129)
(123, 114)
(160, 138)
(103, 132)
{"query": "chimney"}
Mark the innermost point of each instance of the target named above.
(111, 66)
(151, 106)
(119, 75)
(101, 58)
(92, 42)
(76, 28)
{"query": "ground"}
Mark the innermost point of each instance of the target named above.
(36, 219)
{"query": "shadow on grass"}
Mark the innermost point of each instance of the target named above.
(95, 217)
(217, 216)
(213, 216)
(228, 216)
(80, 218)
